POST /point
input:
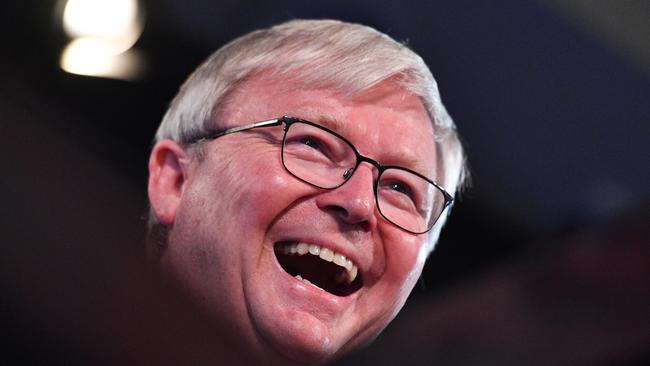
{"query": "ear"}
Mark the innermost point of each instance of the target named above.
(166, 180)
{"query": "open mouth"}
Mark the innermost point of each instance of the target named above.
(320, 267)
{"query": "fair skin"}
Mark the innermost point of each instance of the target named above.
(228, 211)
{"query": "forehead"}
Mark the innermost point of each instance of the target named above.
(385, 122)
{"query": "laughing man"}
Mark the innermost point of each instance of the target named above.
(299, 179)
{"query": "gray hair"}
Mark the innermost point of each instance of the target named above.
(348, 58)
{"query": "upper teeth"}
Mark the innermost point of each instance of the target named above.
(325, 254)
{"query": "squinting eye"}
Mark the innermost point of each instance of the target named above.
(311, 142)
(401, 188)
(399, 194)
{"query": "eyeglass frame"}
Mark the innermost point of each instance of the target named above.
(288, 121)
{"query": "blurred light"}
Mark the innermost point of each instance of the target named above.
(103, 31)
(94, 57)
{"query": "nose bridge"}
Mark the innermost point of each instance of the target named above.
(361, 192)
(373, 164)
(360, 174)
(364, 194)
(354, 201)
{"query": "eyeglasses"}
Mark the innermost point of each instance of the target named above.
(322, 158)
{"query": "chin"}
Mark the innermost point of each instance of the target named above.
(301, 339)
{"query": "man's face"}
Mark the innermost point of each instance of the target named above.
(238, 208)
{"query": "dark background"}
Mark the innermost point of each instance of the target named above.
(545, 260)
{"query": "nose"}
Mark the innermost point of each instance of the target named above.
(353, 203)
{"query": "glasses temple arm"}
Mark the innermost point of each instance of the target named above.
(219, 133)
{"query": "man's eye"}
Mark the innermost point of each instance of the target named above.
(398, 194)
(401, 188)
(311, 142)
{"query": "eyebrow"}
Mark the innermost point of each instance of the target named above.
(406, 160)
(330, 122)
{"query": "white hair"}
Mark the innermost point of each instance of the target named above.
(345, 57)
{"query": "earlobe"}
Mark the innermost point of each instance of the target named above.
(166, 180)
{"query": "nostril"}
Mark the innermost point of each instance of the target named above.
(353, 211)
(348, 220)
(341, 213)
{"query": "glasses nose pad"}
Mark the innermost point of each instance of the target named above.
(348, 173)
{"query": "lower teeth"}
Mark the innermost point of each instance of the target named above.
(307, 281)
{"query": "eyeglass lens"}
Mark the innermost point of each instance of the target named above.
(325, 160)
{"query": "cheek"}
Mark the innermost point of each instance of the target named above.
(229, 202)
(404, 261)
(258, 189)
